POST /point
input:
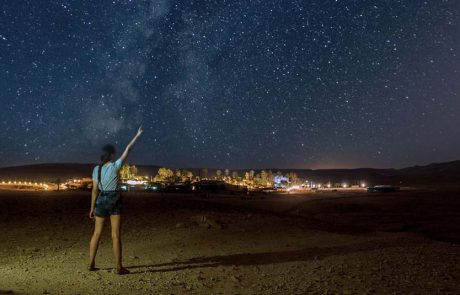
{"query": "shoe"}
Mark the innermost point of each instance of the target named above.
(122, 271)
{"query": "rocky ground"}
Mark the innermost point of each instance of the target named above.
(322, 243)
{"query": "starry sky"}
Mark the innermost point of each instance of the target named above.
(231, 83)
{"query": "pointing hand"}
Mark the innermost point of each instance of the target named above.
(139, 131)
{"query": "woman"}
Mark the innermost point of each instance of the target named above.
(106, 201)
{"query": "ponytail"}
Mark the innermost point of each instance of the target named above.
(107, 152)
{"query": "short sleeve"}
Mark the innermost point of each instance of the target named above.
(118, 163)
(95, 171)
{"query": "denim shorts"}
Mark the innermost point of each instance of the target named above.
(108, 203)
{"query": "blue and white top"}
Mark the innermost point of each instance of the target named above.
(109, 175)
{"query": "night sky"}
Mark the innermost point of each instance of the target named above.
(231, 84)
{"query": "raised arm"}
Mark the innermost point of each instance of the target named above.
(130, 145)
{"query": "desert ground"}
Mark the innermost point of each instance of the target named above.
(315, 243)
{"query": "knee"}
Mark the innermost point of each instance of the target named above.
(115, 236)
(97, 234)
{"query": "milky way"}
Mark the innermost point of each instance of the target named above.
(231, 84)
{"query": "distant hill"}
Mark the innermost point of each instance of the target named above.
(51, 172)
(434, 173)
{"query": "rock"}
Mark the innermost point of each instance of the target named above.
(204, 221)
(235, 279)
(205, 225)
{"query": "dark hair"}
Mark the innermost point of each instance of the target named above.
(107, 151)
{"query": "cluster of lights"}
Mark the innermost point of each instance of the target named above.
(136, 182)
(310, 185)
(294, 187)
(29, 183)
(314, 185)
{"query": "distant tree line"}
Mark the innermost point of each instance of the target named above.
(169, 176)
(128, 172)
(264, 178)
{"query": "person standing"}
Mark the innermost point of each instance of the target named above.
(106, 202)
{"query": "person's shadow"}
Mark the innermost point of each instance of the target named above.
(263, 258)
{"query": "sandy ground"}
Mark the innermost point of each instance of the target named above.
(323, 243)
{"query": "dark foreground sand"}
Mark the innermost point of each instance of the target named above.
(325, 243)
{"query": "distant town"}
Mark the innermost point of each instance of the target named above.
(170, 180)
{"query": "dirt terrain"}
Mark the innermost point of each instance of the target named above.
(319, 243)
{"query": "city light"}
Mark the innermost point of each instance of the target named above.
(136, 182)
(19, 184)
(294, 187)
(144, 183)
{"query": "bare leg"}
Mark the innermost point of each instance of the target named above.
(98, 225)
(115, 221)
